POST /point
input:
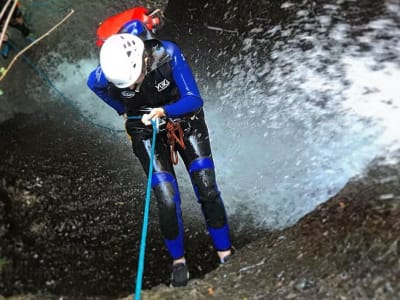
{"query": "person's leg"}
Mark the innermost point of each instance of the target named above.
(165, 187)
(5, 48)
(198, 160)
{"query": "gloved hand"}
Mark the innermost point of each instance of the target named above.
(155, 113)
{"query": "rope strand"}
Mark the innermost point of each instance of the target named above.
(139, 275)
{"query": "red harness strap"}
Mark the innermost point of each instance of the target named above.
(175, 135)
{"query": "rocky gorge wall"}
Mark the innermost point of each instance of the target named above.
(70, 212)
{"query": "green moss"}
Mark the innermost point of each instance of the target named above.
(3, 261)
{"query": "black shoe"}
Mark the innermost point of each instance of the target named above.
(180, 275)
(225, 259)
(228, 257)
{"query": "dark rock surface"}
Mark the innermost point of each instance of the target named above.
(71, 210)
(71, 196)
(61, 235)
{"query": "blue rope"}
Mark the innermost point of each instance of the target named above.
(139, 275)
(134, 117)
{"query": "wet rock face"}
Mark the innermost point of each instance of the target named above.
(68, 228)
(59, 220)
(4, 217)
(70, 213)
(71, 209)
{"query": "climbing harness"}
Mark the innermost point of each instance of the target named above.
(139, 275)
(175, 135)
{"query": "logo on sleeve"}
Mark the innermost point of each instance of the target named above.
(99, 71)
(162, 85)
(128, 94)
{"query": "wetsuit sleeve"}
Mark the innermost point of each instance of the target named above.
(98, 83)
(190, 99)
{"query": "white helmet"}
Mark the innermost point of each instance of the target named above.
(121, 59)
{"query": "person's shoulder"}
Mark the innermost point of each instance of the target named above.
(172, 48)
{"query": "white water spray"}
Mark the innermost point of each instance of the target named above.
(322, 117)
(71, 81)
(290, 133)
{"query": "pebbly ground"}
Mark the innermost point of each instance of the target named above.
(69, 210)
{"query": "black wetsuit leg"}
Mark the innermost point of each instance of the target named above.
(197, 157)
(164, 185)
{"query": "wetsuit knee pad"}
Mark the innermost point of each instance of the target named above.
(201, 172)
(203, 179)
(168, 201)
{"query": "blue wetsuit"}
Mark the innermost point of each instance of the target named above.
(170, 84)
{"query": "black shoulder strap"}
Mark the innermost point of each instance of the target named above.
(158, 54)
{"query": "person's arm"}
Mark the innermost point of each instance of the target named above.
(190, 99)
(98, 83)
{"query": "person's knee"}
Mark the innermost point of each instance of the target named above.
(203, 179)
(167, 194)
(205, 186)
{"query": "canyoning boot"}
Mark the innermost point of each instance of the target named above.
(180, 275)
(228, 257)
(225, 259)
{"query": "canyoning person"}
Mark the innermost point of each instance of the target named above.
(4, 46)
(17, 21)
(145, 79)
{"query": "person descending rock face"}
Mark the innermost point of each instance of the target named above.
(140, 75)
(17, 21)
(4, 46)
